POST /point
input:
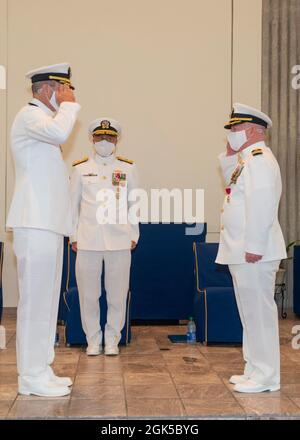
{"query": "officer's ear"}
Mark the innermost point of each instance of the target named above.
(251, 131)
(260, 131)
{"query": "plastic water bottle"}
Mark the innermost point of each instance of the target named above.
(191, 332)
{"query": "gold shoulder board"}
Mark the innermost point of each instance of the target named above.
(123, 159)
(257, 152)
(78, 162)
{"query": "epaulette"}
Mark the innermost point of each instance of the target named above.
(123, 159)
(257, 152)
(78, 162)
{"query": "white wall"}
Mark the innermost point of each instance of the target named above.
(161, 67)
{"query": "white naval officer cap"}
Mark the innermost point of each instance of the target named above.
(56, 72)
(242, 113)
(105, 126)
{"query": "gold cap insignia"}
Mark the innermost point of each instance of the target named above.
(105, 125)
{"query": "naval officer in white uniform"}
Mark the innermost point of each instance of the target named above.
(252, 244)
(97, 242)
(40, 215)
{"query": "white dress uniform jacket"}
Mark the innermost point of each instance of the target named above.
(41, 197)
(87, 179)
(249, 220)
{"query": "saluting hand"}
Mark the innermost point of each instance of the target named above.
(64, 94)
(252, 258)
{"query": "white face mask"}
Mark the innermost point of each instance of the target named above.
(53, 102)
(104, 148)
(237, 139)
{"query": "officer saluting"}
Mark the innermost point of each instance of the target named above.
(40, 215)
(252, 244)
(95, 241)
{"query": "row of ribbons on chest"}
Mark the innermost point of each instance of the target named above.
(234, 178)
(118, 178)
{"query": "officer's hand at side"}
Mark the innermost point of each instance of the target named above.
(74, 246)
(64, 94)
(230, 151)
(252, 258)
(133, 245)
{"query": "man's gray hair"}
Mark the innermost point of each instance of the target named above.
(37, 85)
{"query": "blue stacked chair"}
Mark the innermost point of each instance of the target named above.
(215, 309)
(162, 276)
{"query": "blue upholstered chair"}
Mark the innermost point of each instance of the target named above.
(215, 310)
(162, 276)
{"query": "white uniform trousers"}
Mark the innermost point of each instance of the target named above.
(39, 264)
(88, 275)
(254, 286)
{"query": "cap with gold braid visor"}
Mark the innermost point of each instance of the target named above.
(105, 128)
(62, 78)
(240, 118)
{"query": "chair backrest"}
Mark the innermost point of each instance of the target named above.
(208, 272)
(162, 277)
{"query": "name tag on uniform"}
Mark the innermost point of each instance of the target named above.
(118, 178)
(90, 178)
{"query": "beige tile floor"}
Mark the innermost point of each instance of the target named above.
(152, 378)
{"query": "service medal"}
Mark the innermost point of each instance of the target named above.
(228, 192)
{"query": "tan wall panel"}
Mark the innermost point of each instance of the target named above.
(247, 52)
